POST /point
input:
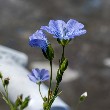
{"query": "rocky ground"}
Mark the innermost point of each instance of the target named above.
(89, 54)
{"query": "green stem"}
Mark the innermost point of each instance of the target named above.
(50, 81)
(57, 84)
(6, 94)
(55, 93)
(7, 98)
(6, 91)
(51, 74)
(63, 52)
(77, 105)
(40, 91)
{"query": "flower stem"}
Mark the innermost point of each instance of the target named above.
(6, 97)
(63, 53)
(40, 91)
(76, 108)
(61, 60)
(50, 81)
(55, 93)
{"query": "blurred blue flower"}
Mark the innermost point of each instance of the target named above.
(39, 76)
(38, 39)
(62, 30)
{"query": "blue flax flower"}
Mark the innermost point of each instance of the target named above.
(38, 76)
(66, 31)
(38, 39)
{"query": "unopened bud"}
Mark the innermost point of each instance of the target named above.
(49, 54)
(18, 101)
(25, 103)
(45, 99)
(83, 96)
(6, 81)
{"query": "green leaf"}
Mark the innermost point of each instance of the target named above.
(1, 75)
(4, 98)
(18, 101)
(45, 105)
(25, 103)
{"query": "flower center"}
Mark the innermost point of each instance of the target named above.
(64, 31)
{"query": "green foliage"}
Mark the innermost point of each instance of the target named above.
(63, 65)
(19, 103)
(25, 103)
(1, 75)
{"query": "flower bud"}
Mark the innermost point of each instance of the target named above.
(49, 54)
(18, 101)
(63, 65)
(25, 103)
(45, 99)
(83, 96)
(6, 81)
(59, 76)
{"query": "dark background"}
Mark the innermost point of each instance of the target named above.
(89, 54)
